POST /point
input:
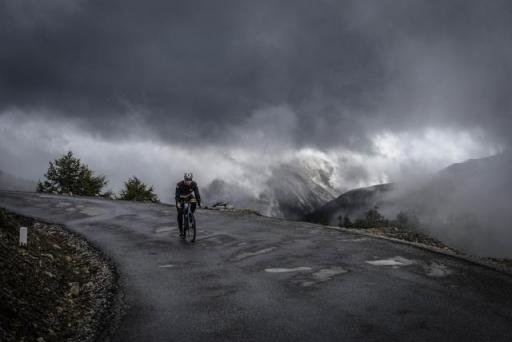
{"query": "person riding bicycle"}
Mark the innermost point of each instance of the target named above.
(186, 190)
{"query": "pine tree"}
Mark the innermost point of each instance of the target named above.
(68, 175)
(347, 223)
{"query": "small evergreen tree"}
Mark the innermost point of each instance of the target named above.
(323, 221)
(67, 174)
(374, 219)
(347, 223)
(401, 220)
(136, 190)
(406, 220)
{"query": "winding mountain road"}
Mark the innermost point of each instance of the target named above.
(253, 278)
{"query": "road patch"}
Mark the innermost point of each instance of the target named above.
(395, 261)
(437, 270)
(287, 270)
(328, 273)
(164, 229)
(93, 211)
(245, 255)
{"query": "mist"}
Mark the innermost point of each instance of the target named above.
(467, 205)
(247, 165)
(352, 93)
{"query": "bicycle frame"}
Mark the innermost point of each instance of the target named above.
(188, 222)
(186, 211)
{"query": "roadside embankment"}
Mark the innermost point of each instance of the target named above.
(57, 288)
(423, 240)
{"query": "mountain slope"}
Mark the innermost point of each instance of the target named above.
(352, 203)
(466, 205)
(290, 190)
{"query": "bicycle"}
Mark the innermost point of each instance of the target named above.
(188, 223)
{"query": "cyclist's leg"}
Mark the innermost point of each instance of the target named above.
(193, 207)
(180, 217)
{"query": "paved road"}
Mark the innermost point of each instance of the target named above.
(252, 278)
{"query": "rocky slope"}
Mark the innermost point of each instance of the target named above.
(57, 288)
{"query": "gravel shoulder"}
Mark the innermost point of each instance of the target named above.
(57, 288)
(423, 240)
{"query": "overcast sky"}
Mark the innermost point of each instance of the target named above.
(154, 87)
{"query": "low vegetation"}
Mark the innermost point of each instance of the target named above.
(69, 176)
(136, 190)
(374, 219)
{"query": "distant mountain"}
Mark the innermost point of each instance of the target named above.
(290, 190)
(222, 191)
(466, 205)
(295, 189)
(353, 203)
(358, 201)
(10, 182)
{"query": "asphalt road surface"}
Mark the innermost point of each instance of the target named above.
(251, 278)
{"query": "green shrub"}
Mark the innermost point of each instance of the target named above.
(371, 219)
(136, 190)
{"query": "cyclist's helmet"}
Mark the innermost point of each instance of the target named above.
(188, 176)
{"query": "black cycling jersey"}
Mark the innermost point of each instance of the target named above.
(184, 190)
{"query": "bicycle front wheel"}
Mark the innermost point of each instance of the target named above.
(190, 234)
(184, 226)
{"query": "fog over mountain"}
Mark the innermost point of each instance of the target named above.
(246, 91)
(10, 182)
(466, 205)
(290, 190)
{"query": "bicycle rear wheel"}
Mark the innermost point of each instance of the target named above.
(190, 233)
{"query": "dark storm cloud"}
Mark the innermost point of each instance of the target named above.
(197, 71)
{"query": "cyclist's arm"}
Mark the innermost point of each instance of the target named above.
(177, 194)
(196, 194)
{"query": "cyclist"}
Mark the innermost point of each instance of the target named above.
(186, 190)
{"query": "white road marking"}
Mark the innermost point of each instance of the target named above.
(166, 266)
